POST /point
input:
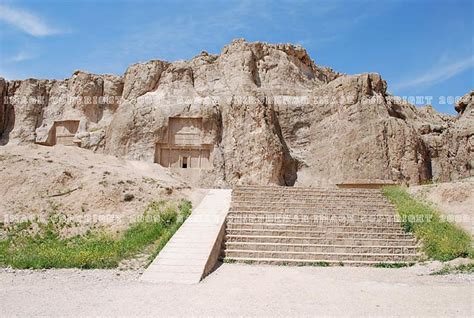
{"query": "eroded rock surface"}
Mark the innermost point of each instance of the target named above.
(269, 113)
(456, 148)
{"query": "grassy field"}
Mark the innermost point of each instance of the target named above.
(441, 240)
(40, 245)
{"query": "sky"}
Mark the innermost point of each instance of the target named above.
(420, 47)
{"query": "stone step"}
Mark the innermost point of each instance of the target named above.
(273, 189)
(299, 204)
(376, 193)
(321, 240)
(379, 228)
(316, 222)
(313, 210)
(321, 248)
(320, 234)
(317, 256)
(331, 197)
(308, 191)
(317, 213)
(266, 217)
(308, 262)
(314, 199)
(258, 186)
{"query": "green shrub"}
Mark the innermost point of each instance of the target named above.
(3, 252)
(441, 240)
(393, 265)
(185, 210)
(460, 269)
(320, 264)
(40, 245)
(185, 207)
(168, 217)
(229, 260)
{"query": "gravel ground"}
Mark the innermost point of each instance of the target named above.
(239, 290)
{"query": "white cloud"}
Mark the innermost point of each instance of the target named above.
(22, 56)
(439, 74)
(25, 21)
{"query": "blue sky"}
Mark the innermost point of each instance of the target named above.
(422, 48)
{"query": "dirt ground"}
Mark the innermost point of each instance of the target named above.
(453, 199)
(89, 188)
(240, 290)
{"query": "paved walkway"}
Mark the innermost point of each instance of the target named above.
(186, 257)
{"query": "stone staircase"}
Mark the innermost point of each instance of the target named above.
(315, 226)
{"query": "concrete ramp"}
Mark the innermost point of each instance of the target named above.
(195, 248)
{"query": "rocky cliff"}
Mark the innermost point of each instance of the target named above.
(270, 113)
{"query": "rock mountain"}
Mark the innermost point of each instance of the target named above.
(270, 114)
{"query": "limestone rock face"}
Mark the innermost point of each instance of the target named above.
(353, 135)
(257, 113)
(456, 147)
(3, 105)
(141, 78)
(265, 157)
(465, 106)
(27, 100)
(34, 105)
